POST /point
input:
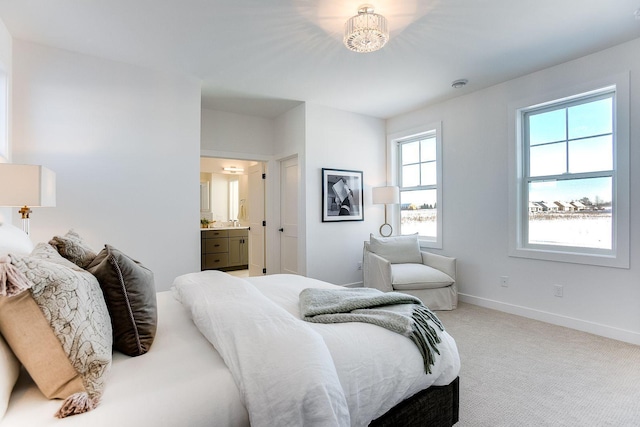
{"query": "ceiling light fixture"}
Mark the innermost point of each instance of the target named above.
(366, 32)
(457, 84)
(233, 169)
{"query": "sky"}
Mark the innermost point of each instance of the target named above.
(576, 139)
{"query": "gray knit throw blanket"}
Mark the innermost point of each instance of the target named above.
(400, 313)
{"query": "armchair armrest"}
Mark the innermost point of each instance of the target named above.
(376, 272)
(440, 262)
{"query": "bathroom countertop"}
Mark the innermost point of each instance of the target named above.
(243, 227)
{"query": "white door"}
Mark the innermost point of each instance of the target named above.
(256, 213)
(289, 216)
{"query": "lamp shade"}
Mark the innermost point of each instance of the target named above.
(27, 185)
(386, 195)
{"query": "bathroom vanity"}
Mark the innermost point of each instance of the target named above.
(224, 248)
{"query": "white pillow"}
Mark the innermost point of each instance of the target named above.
(9, 370)
(13, 240)
(397, 249)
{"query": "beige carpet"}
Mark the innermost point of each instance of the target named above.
(521, 372)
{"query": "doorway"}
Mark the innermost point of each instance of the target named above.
(233, 200)
(289, 216)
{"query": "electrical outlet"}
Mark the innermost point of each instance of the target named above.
(558, 291)
(504, 281)
(359, 266)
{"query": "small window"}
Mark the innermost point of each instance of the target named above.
(571, 197)
(419, 178)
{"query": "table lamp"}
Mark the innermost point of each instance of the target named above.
(26, 186)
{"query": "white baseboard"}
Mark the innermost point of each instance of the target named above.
(353, 285)
(555, 319)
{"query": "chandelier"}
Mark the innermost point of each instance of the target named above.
(366, 32)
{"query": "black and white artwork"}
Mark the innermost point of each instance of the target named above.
(342, 195)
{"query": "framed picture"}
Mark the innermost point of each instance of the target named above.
(342, 195)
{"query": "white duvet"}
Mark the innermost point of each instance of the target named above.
(291, 372)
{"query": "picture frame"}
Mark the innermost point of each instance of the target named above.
(342, 195)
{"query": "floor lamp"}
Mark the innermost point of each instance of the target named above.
(389, 195)
(26, 186)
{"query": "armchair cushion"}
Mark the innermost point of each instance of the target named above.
(397, 249)
(418, 276)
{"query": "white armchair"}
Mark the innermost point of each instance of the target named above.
(397, 264)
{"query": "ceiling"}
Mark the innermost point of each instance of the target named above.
(263, 57)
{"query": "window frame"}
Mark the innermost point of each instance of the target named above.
(618, 256)
(4, 115)
(394, 142)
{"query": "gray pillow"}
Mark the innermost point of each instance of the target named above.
(130, 294)
(397, 249)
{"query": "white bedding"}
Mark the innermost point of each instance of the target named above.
(181, 381)
(376, 368)
(281, 366)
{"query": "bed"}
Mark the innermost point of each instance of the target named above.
(184, 380)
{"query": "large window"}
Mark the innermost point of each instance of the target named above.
(419, 179)
(571, 198)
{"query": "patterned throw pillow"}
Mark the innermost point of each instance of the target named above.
(72, 247)
(59, 329)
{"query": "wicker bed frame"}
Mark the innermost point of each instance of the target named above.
(435, 406)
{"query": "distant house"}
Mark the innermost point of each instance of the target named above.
(547, 206)
(534, 207)
(579, 206)
(564, 206)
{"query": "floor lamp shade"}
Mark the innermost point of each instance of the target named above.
(386, 195)
(389, 195)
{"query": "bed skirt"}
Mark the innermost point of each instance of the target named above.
(436, 406)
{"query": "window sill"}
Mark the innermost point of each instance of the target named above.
(572, 257)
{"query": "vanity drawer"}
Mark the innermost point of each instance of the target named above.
(215, 261)
(211, 234)
(211, 246)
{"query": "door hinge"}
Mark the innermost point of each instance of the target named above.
(264, 271)
(264, 176)
(264, 223)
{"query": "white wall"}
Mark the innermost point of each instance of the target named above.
(475, 147)
(232, 133)
(124, 143)
(341, 140)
